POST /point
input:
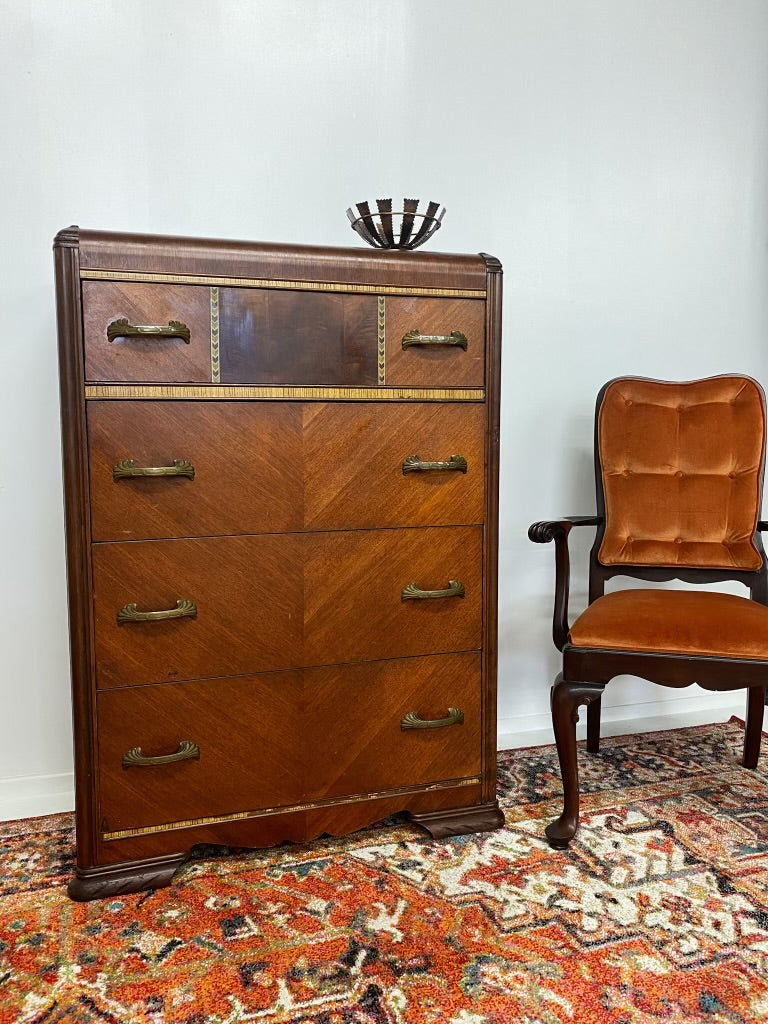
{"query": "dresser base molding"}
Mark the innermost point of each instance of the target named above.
(460, 821)
(131, 876)
(121, 879)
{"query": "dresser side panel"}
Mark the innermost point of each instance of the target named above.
(491, 538)
(77, 525)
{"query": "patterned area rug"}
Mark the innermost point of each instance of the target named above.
(658, 912)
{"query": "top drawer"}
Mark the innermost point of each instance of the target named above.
(151, 356)
(165, 333)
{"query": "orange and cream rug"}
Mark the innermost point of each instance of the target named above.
(657, 913)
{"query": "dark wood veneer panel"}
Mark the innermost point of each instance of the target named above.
(247, 459)
(294, 337)
(165, 360)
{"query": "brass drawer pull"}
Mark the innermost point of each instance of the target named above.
(412, 720)
(413, 464)
(124, 329)
(455, 338)
(187, 751)
(131, 613)
(413, 591)
(128, 468)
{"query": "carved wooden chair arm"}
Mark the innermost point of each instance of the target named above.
(557, 530)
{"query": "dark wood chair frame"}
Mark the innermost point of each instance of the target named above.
(586, 671)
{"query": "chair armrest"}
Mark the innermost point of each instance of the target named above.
(557, 530)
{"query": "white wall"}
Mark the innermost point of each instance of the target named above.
(614, 155)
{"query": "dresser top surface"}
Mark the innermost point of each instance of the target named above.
(164, 254)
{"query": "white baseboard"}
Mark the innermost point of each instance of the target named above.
(35, 795)
(651, 716)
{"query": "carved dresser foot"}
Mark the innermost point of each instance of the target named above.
(121, 879)
(460, 821)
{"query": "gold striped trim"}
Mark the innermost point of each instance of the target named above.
(215, 359)
(220, 392)
(173, 826)
(382, 336)
(302, 286)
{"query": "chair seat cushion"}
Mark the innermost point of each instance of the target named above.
(675, 622)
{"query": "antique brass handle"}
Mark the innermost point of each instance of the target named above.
(131, 613)
(412, 721)
(413, 464)
(187, 751)
(455, 338)
(124, 329)
(413, 591)
(128, 468)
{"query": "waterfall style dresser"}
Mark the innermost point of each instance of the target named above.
(281, 476)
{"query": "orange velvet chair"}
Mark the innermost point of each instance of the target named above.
(679, 474)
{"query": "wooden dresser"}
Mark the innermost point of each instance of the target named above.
(281, 476)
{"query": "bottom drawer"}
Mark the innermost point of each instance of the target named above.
(355, 742)
(283, 739)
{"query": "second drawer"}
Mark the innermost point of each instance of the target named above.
(183, 609)
(207, 469)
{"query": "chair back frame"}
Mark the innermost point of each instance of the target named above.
(755, 580)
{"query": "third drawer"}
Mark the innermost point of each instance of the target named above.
(284, 738)
(215, 606)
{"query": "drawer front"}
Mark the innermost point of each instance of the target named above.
(166, 333)
(187, 751)
(355, 742)
(282, 601)
(353, 585)
(239, 468)
(247, 593)
(393, 464)
(148, 356)
(421, 336)
(249, 755)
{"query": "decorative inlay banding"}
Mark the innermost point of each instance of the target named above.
(171, 826)
(221, 392)
(382, 337)
(303, 286)
(215, 360)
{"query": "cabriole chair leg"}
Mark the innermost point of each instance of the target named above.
(566, 698)
(754, 726)
(593, 725)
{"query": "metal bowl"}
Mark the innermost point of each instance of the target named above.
(386, 228)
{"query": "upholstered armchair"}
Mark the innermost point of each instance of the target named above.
(679, 473)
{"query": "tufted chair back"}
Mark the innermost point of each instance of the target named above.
(679, 470)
